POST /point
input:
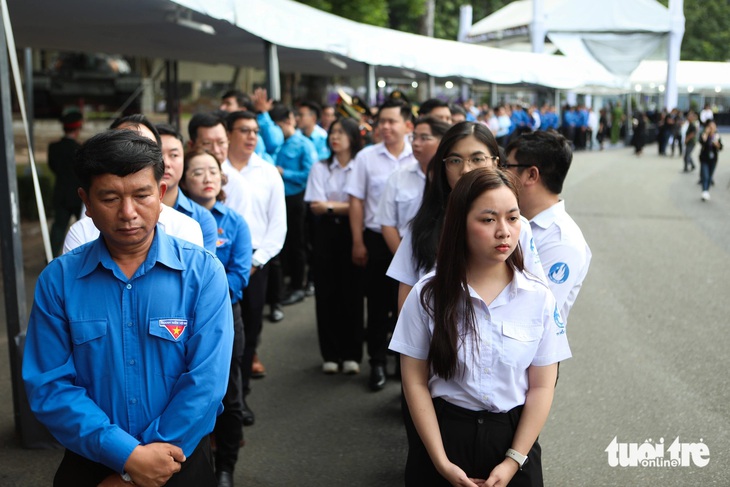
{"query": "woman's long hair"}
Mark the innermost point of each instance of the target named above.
(446, 295)
(426, 225)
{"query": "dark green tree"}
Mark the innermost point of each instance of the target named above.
(706, 30)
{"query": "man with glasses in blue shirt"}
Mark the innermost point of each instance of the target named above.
(130, 336)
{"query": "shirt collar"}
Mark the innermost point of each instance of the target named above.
(160, 251)
(183, 202)
(547, 216)
(407, 151)
(336, 164)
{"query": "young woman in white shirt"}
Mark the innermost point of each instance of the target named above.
(339, 283)
(480, 339)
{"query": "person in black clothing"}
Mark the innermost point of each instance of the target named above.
(690, 139)
(61, 160)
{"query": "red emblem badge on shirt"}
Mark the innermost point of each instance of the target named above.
(176, 327)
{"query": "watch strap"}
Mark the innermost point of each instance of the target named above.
(517, 457)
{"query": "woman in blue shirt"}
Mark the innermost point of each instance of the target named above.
(202, 181)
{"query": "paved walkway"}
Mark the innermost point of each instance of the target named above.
(648, 334)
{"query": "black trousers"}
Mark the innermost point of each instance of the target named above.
(252, 311)
(382, 297)
(294, 253)
(339, 293)
(229, 424)
(77, 471)
(476, 441)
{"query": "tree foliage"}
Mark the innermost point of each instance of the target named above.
(706, 30)
(706, 36)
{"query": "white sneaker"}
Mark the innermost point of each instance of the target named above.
(705, 195)
(350, 367)
(329, 367)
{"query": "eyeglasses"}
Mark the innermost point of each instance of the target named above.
(478, 161)
(421, 137)
(246, 130)
(507, 166)
(209, 144)
(201, 172)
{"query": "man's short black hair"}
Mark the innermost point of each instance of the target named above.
(167, 129)
(405, 108)
(243, 100)
(457, 109)
(136, 120)
(235, 116)
(313, 107)
(280, 112)
(550, 152)
(429, 105)
(117, 152)
(205, 120)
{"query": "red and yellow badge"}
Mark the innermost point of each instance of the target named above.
(176, 327)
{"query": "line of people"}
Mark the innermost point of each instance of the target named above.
(266, 179)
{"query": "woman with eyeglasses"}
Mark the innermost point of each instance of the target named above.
(480, 340)
(339, 290)
(465, 147)
(404, 189)
(202, 181)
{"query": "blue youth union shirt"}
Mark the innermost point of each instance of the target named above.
(112, 362)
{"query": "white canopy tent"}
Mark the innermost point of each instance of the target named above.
(618, 34)
(308, 40)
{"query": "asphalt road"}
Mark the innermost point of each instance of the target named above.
(648, 334)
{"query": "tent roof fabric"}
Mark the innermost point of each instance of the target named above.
(580, 16)
(306, 37)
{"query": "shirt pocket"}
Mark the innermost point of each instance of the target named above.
(171, 330)
(89, 338)
(166, 351)
(520, 341)
(85, 331)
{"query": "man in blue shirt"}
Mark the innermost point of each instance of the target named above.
(130, 336)
(294, 161)
(307, 114)
(172, 154)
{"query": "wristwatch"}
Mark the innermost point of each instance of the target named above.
(126, 477)
(517, 457)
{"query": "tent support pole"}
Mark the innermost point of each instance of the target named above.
(273, 83)
(370, 93)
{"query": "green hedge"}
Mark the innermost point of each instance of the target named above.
(26, 194)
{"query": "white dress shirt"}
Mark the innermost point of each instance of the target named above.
(401, 198)
(564, 253)
(256, 192)
(171, 221)
(373, 166)
(327, 182)
(520, 328)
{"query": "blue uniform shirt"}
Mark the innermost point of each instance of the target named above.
(233, 248)
(206, 221)
(111, 362)
(319, 139)
(296, 156)
(270, 132)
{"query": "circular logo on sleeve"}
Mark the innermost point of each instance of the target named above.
(559, 272)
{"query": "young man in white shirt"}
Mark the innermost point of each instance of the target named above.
(541, 161)
(372, 167)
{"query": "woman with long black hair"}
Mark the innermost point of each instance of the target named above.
(480, 339)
